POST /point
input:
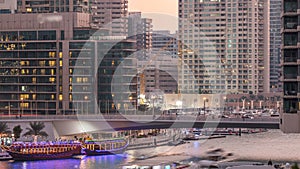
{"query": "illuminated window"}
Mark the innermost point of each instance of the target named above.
(70, 80)
(60, 97)
(34, 96)
(23, 88)
(60, 88)
(34, 80)
(60, 63)
(113, 63)
(52, 63)
(42, 63)
(22, 71)
(43, 71)
(70, 54)
(28, 9)
(25, 105)
(52, 97)
(79, 79)
(70, 88)
(52, 79)
(71, 71)
(34, 71)
(24, 96)
(85, 80)
(60, 55)
(70, 97)
(52, 54)
(52, 72)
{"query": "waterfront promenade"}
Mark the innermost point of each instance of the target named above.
(272, 145)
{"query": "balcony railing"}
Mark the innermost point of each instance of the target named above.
(290, 59)
(290, 76)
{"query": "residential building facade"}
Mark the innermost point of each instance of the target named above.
(275, 42)
(290, 116)
(140, 29)
(224, 46)
(54, 62)
(110, 15)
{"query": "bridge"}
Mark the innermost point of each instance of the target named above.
(75, 124)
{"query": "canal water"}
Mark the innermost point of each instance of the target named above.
(91, 162)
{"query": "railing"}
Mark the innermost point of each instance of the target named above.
(147, 118)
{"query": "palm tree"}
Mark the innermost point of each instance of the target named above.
(17, 130)
(35, 130)
(4, 129)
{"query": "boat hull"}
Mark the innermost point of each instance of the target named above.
(43, 156)
(107, 147)
(102, 152)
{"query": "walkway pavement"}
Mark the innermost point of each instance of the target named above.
(151, 141)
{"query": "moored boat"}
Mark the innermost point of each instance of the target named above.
(107, 147)
(42, 151)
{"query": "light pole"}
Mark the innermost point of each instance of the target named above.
(87, 104)
(204, 100)
(225, 105)
(153, 97)
(22, 106)
(130, 101)
(9, 109)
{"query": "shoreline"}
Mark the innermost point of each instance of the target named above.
(259, 147)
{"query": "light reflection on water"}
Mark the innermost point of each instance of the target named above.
(91, 162)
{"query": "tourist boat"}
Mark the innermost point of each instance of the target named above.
(42, 151)
(105, 147)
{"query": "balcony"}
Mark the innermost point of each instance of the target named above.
(290, 25)
(290, 92)
(290, 59)
(291, 76)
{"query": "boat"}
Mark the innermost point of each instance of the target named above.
(42, 151)
(5, 156)
(105, 147)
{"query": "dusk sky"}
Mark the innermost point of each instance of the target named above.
(163, 12)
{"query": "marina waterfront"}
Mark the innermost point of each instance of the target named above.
(91, 162)
(261, 147)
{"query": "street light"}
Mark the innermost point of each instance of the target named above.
(204, 100)
(153, 97)
(87, 104)
(22, 106)
(225, 105)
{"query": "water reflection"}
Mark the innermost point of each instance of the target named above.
(92, 162)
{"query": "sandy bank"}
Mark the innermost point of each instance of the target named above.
(273, 145)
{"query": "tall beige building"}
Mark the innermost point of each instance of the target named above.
(110, 14)
(224, 46)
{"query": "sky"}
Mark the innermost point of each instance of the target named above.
(163, 12)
